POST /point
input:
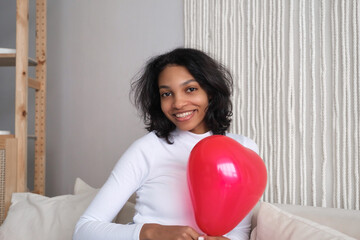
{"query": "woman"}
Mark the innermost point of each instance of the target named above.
(184, 96)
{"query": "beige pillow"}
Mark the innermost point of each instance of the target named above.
(33, 216)
(273, 223)
(343, 220)
(82, 187)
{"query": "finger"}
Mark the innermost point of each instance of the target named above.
(192, 233)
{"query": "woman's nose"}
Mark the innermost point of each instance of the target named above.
(179, 102)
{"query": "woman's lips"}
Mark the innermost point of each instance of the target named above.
(184, 115)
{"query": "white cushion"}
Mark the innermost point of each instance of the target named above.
(342, 220)
(33, 216)
(274, 223)
(82, 187)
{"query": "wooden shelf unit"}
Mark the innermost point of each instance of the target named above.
(21, 61)
(9, 60)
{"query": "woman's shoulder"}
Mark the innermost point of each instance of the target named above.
(149, 140)
(139, 150)
(245, 141)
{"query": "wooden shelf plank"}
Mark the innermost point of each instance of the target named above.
(9, 59)
(34, 84)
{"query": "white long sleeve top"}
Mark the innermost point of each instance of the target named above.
(157, 172)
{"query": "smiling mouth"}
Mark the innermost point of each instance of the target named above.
(184, 115)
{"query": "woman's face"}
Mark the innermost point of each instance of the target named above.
(183, 101)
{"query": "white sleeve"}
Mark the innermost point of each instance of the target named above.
(252, 145)
(125, 179)
(245, 141)
(242, 230)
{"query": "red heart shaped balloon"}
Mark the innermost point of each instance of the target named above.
(226, 180)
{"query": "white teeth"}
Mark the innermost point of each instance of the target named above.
(181, 115)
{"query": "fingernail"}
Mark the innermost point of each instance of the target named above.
(201, 238)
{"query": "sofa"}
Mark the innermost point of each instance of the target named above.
(32, 216)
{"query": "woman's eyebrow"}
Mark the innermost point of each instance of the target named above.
(188, 81)
(182, 84)
(163, 86)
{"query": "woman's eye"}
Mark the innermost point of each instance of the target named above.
(166, 94)
(191, 89)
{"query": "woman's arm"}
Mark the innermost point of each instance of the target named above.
(157, 231)
(126, 177)
(96, 222)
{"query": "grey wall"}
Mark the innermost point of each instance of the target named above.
(94, 50)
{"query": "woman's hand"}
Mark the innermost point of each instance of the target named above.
(151, 231)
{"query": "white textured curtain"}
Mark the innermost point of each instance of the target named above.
(297, 93)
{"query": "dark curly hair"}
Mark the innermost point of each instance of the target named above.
(214, 78)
